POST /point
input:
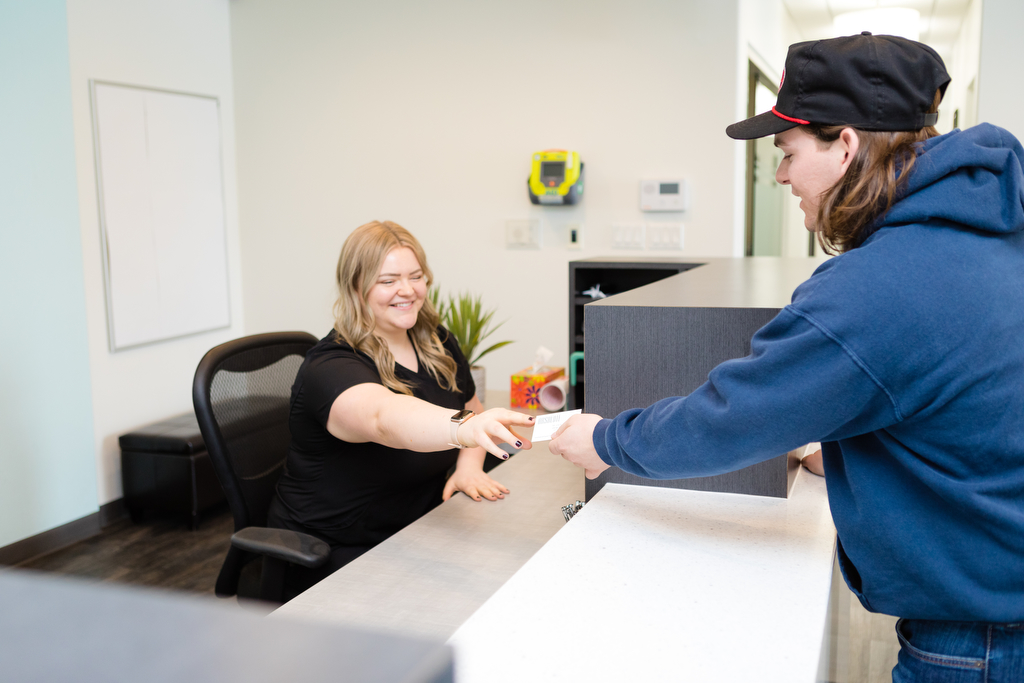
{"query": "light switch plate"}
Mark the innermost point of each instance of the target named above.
(523, 234)
(665, 236)
(628, 236)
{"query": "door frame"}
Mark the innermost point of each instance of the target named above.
(754, 77)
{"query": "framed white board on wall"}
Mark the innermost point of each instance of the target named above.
(161, 202)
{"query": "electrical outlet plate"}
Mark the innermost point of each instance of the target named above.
(628, 236)
(523, 234)
(665, 236)
(574, 236)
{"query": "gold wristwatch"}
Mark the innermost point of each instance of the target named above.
(457, 419)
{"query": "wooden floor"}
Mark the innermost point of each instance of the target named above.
(165, 553)
(159, 553)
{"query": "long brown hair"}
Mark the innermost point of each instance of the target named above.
(867, 190)
(362, 257)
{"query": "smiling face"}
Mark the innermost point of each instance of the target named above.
(810, 167)
(397, 296)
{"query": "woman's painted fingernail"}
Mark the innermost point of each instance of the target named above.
(504, 456)
(531, 418)
(519, 444)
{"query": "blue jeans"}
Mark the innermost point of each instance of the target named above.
(959, 652)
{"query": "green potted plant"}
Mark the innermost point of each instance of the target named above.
(470, 324)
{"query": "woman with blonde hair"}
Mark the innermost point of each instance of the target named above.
(384, 407)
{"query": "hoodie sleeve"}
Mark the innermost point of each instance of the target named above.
(798, 385)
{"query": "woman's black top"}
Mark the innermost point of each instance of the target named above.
(358, 493)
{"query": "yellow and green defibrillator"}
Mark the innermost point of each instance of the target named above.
(556, 177)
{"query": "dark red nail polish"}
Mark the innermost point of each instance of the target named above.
(519, 444)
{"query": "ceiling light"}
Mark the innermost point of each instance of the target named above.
(887, 21)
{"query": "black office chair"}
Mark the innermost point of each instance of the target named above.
(241, 394)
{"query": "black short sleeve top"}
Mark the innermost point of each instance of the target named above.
(359, 493)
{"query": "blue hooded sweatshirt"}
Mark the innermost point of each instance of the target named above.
(905, 358)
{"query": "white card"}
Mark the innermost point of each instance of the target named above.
(546, 425)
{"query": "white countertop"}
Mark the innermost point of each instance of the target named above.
(652, 584)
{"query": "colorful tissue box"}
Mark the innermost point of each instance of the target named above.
(526, 385)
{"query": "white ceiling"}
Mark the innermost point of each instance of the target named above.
(940, 19)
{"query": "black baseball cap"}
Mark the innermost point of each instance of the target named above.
(864, 81)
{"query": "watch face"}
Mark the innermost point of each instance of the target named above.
(462, 415)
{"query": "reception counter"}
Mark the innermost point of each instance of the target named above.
(645, 582)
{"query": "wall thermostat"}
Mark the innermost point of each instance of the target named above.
(663, 195)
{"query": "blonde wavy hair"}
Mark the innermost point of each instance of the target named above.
(870, 185)
(362, 257)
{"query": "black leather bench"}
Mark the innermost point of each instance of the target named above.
(165, 467)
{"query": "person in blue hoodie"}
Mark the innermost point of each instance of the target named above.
(903, 355)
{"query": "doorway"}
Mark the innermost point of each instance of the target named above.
(766, 210)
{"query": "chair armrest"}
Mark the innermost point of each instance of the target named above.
(283, 544)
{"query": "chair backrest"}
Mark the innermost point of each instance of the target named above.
(241, 393)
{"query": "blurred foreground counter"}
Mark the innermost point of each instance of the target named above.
(61, 629)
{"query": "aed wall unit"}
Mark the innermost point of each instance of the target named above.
(556, 178)
(663, 339)
(614, 276)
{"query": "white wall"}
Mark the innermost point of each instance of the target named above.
(1000, 96)
(185, 46)
(767, 30)
(427, 114)
(963, 69)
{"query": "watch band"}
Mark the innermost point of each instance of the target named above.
(457, 419)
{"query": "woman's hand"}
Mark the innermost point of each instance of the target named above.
(494, 426)
(470, 478)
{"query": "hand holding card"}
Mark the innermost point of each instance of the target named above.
(574, 441)
(546, 425)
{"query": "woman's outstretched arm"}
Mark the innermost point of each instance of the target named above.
(371, 412)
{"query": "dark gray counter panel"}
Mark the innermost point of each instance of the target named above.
(663, 339)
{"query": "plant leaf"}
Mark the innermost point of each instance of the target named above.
(493, 347)
(469, 324)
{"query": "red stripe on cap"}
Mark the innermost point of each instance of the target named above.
(789, 118)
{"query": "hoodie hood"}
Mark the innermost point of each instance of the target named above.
(965, 177)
